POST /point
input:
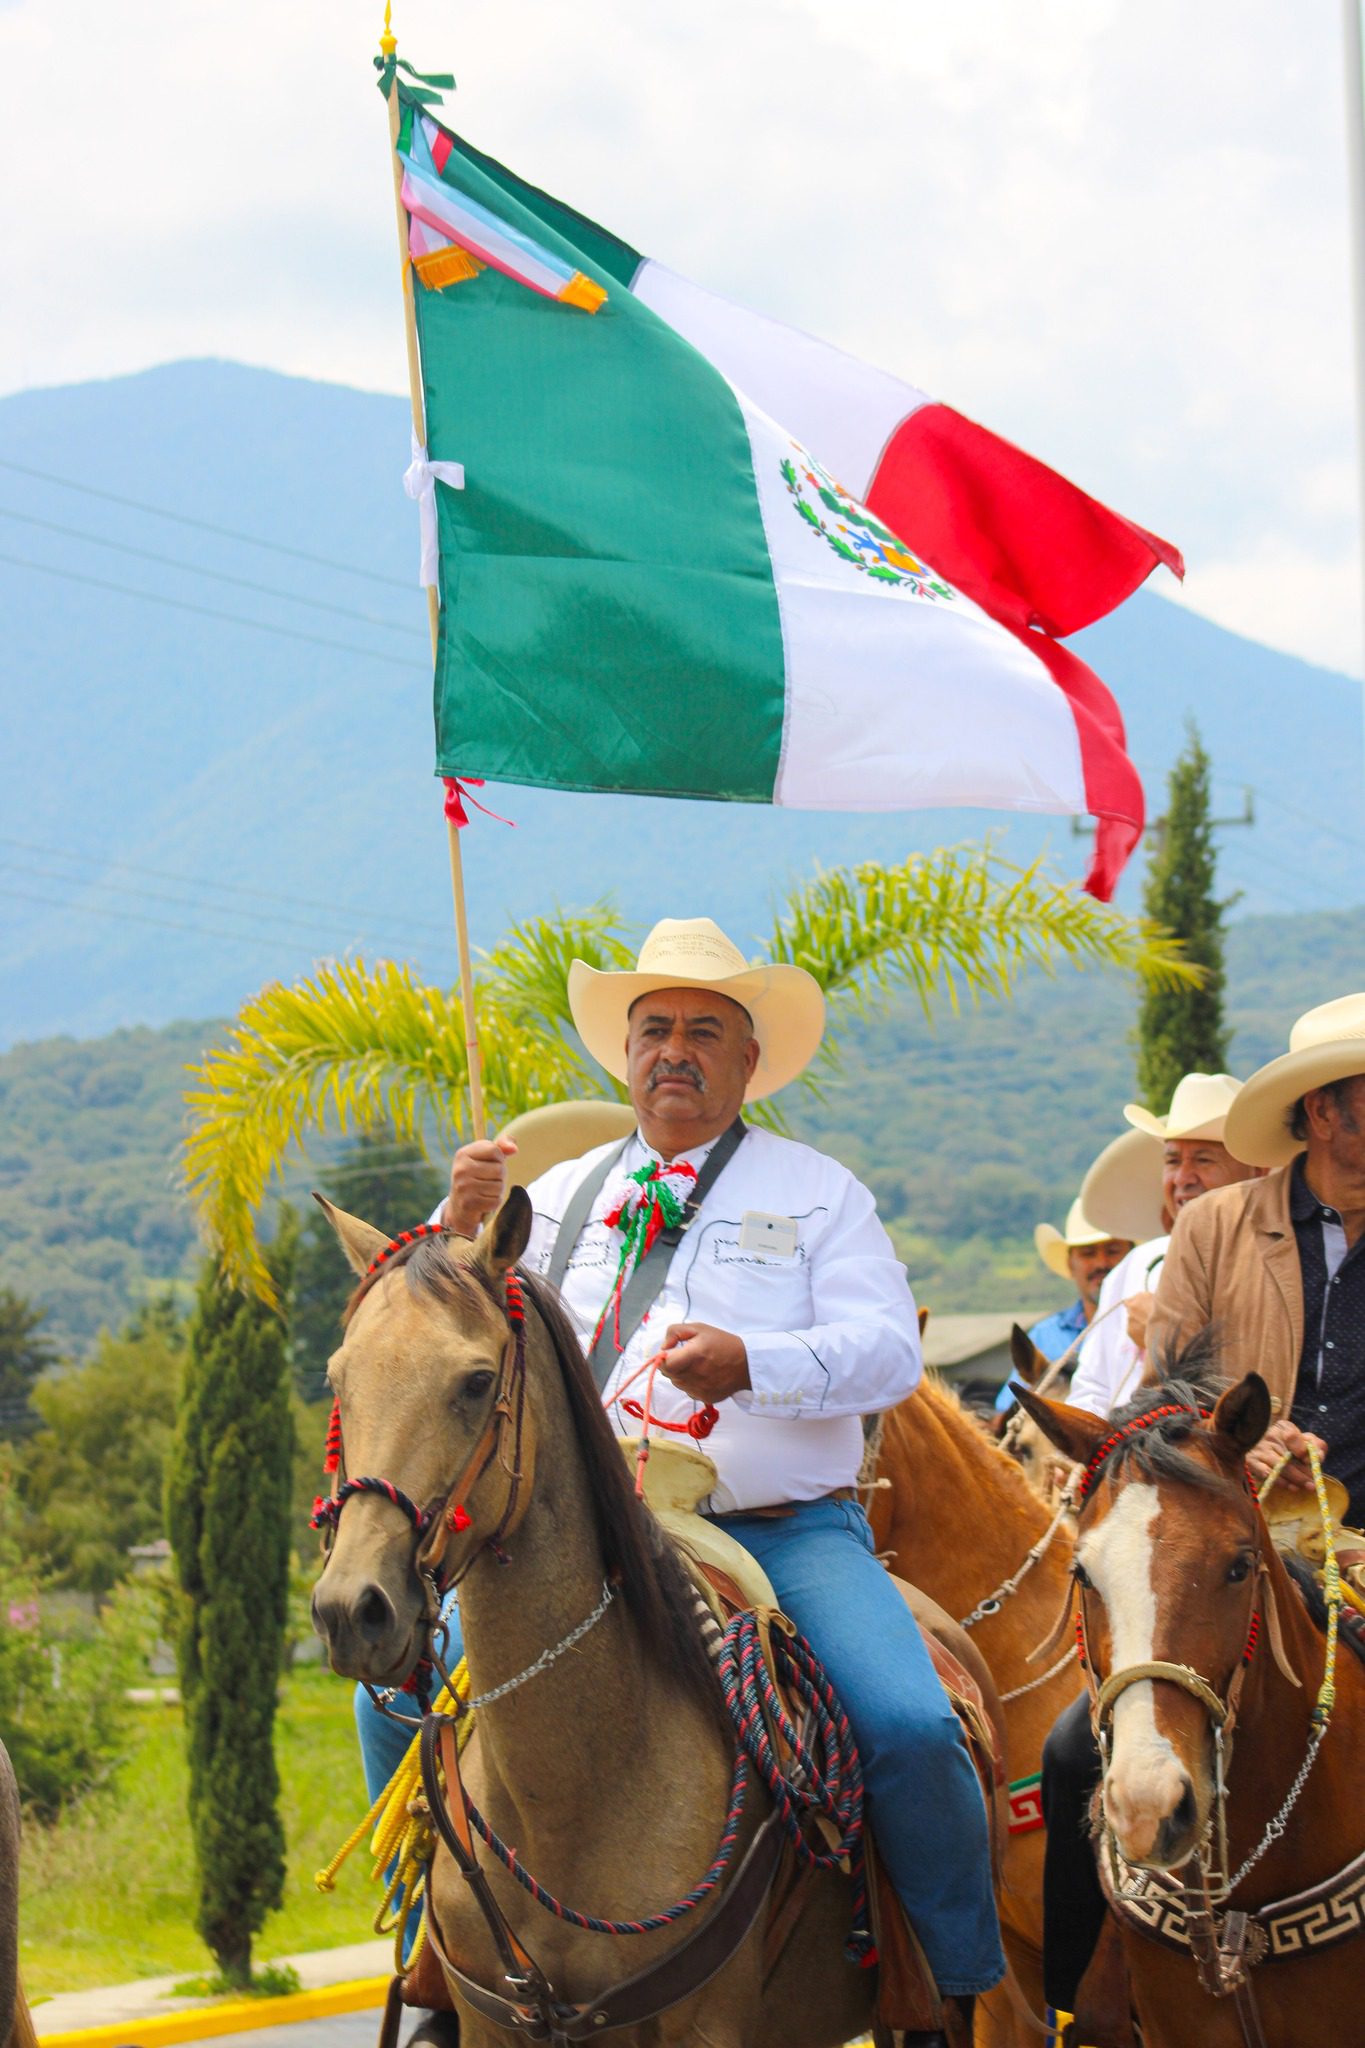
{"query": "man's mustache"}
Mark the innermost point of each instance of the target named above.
(679, 1070)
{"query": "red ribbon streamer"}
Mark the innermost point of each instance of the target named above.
(457, 789)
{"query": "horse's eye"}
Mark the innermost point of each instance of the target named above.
(1239, 1569)
(476, 1386)
(1082, 1577)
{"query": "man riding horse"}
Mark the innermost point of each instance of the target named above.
(774, 1296)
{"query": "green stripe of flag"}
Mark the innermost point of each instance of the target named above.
(609, 617)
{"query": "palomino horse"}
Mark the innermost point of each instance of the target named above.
(959, 1519)
(1240, 1925)
(611, 1767)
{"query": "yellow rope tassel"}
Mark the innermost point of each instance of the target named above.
(400, 1832)
(1331, 1587)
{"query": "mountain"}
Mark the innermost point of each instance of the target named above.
(969, 1130)
(207, 783)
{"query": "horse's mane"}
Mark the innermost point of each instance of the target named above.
(635, 1552)
(1005, 1472)
(1186, 1377)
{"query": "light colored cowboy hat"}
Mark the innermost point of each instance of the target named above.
(1199, 1108)
(1327, 1044)
(557, 1131)
(1121, 1194)
(1054, 1247)
(786, 1004)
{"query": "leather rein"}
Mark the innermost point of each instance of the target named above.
(530, 2007)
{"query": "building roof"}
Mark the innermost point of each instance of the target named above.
(953, 1341)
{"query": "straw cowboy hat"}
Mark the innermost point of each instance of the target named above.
(1327, 1044)
(1121, 1194)
(1199, 1108)
(558, 1131)
(1055, 1246)
(786, 1004)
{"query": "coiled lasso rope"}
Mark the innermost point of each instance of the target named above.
(402, 1838)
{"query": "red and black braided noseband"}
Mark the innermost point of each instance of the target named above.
(327, 1507)
(1133, 1428)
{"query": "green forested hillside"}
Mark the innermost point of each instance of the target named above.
(969, 1130)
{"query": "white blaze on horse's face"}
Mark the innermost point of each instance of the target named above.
(1146, 1781)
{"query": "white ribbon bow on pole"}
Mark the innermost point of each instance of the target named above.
(420, 479)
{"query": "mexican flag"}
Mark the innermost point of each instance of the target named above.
(684, 550)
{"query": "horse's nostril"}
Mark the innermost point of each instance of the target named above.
(374, 1616)
(1184, 1815)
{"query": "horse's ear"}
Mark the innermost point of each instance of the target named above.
(1076, 1432)
(923, 1315)
(361, 1242)
(502, 1242)
(1243, 1414)
(1029, 1362)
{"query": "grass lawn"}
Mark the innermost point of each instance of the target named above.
(108, 1893)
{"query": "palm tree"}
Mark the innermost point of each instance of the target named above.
(354, 1048)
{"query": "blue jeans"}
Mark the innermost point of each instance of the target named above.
(924, 1802)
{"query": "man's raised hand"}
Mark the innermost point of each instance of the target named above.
(706, 1363)
(1281, 1437)
(478, 1176)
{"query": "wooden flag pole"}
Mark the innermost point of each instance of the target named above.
(388, 44)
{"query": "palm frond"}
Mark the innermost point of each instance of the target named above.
(959, 923)
(350, 1048)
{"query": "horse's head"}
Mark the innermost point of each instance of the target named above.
(1169, 1553)
(430, 1377)
(1020, 1435)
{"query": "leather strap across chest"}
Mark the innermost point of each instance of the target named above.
(646, 1283)
(533, 2011)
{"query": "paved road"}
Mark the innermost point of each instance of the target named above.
(343, 2030)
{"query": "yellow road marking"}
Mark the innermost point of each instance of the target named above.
(203, 2022)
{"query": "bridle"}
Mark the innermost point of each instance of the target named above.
(501, 1441)
(1225, 1944)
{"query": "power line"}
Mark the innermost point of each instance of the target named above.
(180, 604)
(139, 917)
(250, 540)
(154, 895)
(120, 547)
(225, 888)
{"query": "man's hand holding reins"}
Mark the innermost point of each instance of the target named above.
(1283, 1436)
(478, 1178)
(703, 1362)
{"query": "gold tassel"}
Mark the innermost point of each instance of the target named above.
(581, 291)
(440, 267)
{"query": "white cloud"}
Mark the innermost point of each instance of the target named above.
(1116, 234)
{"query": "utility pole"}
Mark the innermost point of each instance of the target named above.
(1354, 75)
(1155, 830)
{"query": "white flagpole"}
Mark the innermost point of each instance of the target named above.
(1354, 61)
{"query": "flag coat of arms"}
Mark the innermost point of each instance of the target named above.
(687, 551)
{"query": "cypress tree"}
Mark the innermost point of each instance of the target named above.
(1183, 1030)
(228, 1513)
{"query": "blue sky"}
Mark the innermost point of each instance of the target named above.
(1116, 234)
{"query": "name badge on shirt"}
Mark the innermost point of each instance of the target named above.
(760, 1232)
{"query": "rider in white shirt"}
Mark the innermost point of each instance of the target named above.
(779, 1301)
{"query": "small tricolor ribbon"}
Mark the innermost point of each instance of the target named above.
(640, 1216)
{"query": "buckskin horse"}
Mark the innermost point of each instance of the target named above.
(611, 1769)
(1232, 1836)
(957, 1516)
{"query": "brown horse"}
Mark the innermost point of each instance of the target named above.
(1206, 1668)
(959, 1519)
(610, 1768)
